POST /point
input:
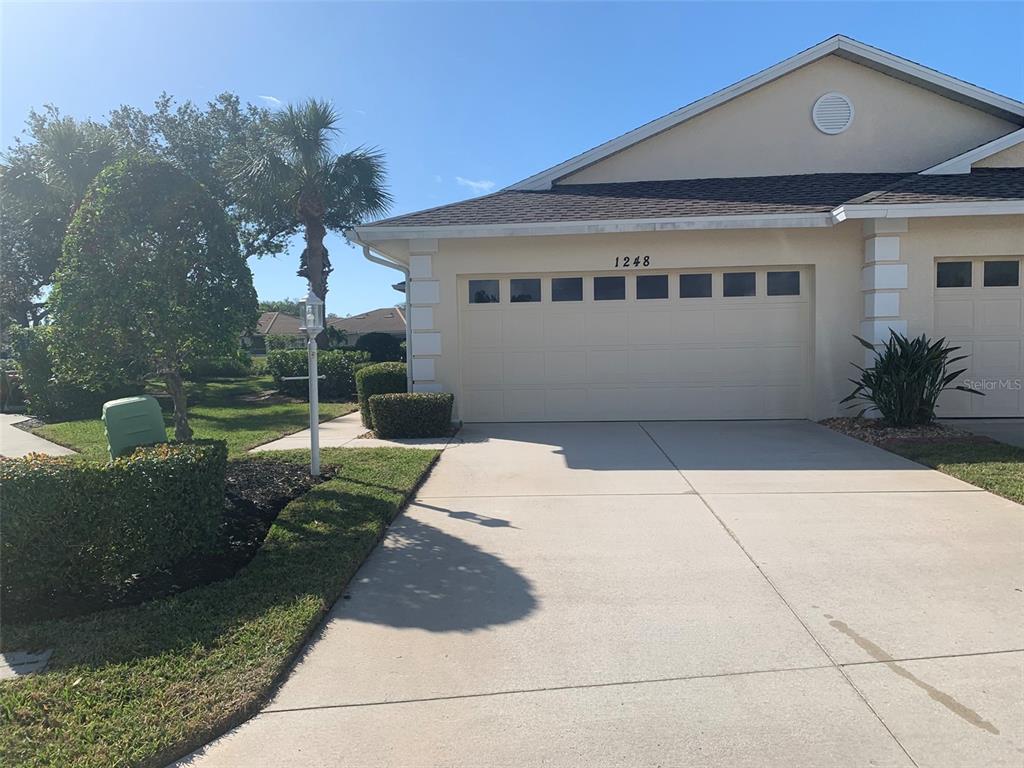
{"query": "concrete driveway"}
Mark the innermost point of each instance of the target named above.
(668, 594)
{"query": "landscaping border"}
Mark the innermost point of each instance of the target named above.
(113, 690)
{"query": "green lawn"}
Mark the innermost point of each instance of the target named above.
(225, 409)
(996, 467)
(143, 685)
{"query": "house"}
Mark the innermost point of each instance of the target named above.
(716, 262)
(278, 324)
(389, 320)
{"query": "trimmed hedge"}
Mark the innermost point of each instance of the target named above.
(379, 379)
(382, 347)
(335, 365)
(412, 414)
(84, 528)
(230, 366)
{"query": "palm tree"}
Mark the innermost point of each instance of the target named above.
(296, 171)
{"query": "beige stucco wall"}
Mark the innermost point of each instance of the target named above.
(835, 254)
(897, 127)
(1012, 157)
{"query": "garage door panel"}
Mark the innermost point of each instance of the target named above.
(998, 316)
(954, 317)
(483, 329)
(482, 369)
(987, 323)
(1000, 357)
(484, 405)
(565, 366)
(521, 328)
(564, 329)
(523, 367)
(525, 405)
(608, 366)
(652, 328)
(568, 404)
(675, 358)
(693, 326)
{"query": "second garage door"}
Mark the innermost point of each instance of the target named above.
(697, 344)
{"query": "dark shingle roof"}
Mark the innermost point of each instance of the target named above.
(978, 186)
(755, 195)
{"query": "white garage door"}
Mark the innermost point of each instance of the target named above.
(699, 344)
(979, 306)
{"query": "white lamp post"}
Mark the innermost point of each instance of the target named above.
(312, 322)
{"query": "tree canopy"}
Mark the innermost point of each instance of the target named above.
(151, 274)
(294, 174)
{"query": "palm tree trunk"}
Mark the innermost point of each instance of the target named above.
(317, 264)
(182, 430)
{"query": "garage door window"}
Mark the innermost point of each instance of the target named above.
(609, 288)
(1002, 274)
(567, 289)
(739, 284)
(953, 274)
(652, 286)
(524, 289)
(784, 283)
(695, 286)
(483, 292)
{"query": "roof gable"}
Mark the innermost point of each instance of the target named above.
(1003, 113)
(1004, 152)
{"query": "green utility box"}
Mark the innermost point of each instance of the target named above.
(131, 422)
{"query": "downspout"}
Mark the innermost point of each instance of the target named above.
(385, 261)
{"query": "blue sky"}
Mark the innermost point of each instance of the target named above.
(462, 98)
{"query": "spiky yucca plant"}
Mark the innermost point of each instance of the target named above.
(906, 379)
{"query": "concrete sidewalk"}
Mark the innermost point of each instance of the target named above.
(723, 594)
(344, 432)
(16, 442)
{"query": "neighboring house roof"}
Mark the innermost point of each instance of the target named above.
(384, 320)
(808, 194)
(962, 163)
(839, 45)
(277, 324)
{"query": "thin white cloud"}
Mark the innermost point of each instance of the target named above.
(479, 187)
(272, 100)
(437, 179)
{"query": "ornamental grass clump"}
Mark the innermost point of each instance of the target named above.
(907, 377)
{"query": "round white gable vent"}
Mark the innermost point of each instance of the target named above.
(832, 113)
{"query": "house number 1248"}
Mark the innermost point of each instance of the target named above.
(636, 261)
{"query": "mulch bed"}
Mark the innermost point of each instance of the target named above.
(255, 491)
(873, 431)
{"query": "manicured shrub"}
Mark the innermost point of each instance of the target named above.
(281, 341)
(412, 414)
(81, 528)
(334, 365)
(232, 366)
(383, 347)
(52, 398)
(906, 379)
(378, 379)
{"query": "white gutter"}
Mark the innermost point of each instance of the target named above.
(934, 210)
(597, 226)
(387, 261)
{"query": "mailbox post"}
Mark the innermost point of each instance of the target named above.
(312, 323)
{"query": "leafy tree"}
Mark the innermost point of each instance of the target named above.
(295, 174)
(208, 143)
(285, 306)
(42, 181)
(151, 274)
